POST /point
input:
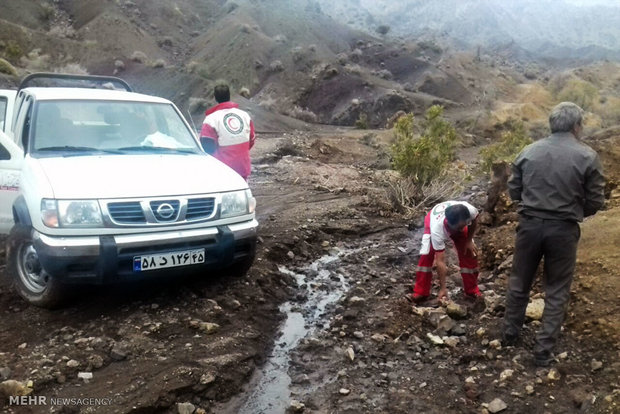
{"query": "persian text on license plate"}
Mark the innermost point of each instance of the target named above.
(164, 260)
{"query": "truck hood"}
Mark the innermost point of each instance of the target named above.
(143, 175)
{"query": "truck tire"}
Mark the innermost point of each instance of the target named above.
(30, 280)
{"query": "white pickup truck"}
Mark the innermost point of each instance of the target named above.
(99, 184)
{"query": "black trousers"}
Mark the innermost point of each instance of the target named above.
(556, 241)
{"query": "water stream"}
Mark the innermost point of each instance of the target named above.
(270, 390)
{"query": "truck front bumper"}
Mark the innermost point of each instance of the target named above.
(107, 259)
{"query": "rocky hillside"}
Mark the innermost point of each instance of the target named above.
(289, 62)
(287, 57)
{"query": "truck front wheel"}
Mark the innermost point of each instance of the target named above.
(30, 280)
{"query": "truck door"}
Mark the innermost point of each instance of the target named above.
(11, 158)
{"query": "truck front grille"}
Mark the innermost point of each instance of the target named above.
(164, 211)
(127, 212)
(198, 208)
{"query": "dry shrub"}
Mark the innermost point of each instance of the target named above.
(412, 199)
(384, 74)
(281, 39)
(245, 92)
(276, 66)
(197, 104)
(303, 114)
(297, 54)
(73, 69)
(356, 55)
(62, 30)
(268, 103)
(507, 149)
(362, 121)
(7, 68)
(383, 29)
(11, 50)
(610, 111)
(579, 92)
(35, 61)
(353, 69)
(139, 57)
(159, 63)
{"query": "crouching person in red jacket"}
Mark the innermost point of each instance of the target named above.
(455, 220)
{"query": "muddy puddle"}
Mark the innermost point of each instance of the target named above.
(321, 284)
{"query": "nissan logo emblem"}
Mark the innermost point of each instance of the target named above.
(165, 211)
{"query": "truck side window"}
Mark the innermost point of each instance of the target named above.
(4, 153)
(22, 125)
(26, 130)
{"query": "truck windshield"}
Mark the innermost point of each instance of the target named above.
(109, 127)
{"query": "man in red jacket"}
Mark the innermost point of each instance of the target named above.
(229, 131)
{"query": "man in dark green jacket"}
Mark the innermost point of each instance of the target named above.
(557, 181)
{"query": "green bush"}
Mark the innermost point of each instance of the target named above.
(362, 122)
(579, 92)
(425, 158)
(507, 149)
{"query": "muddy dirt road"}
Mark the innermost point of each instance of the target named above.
(320, 323)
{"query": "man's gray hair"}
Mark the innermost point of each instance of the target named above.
(564, 117)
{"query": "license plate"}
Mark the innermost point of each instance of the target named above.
(164, 260)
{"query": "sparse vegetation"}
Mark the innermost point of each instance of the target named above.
(510, 145)
(580, 92)
(362, 121)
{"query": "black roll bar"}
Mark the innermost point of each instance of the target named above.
(96, 80)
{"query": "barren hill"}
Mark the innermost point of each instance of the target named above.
(288, 57)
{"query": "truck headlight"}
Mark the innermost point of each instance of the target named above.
(234, 204)
(49, 212)
(79, 213)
